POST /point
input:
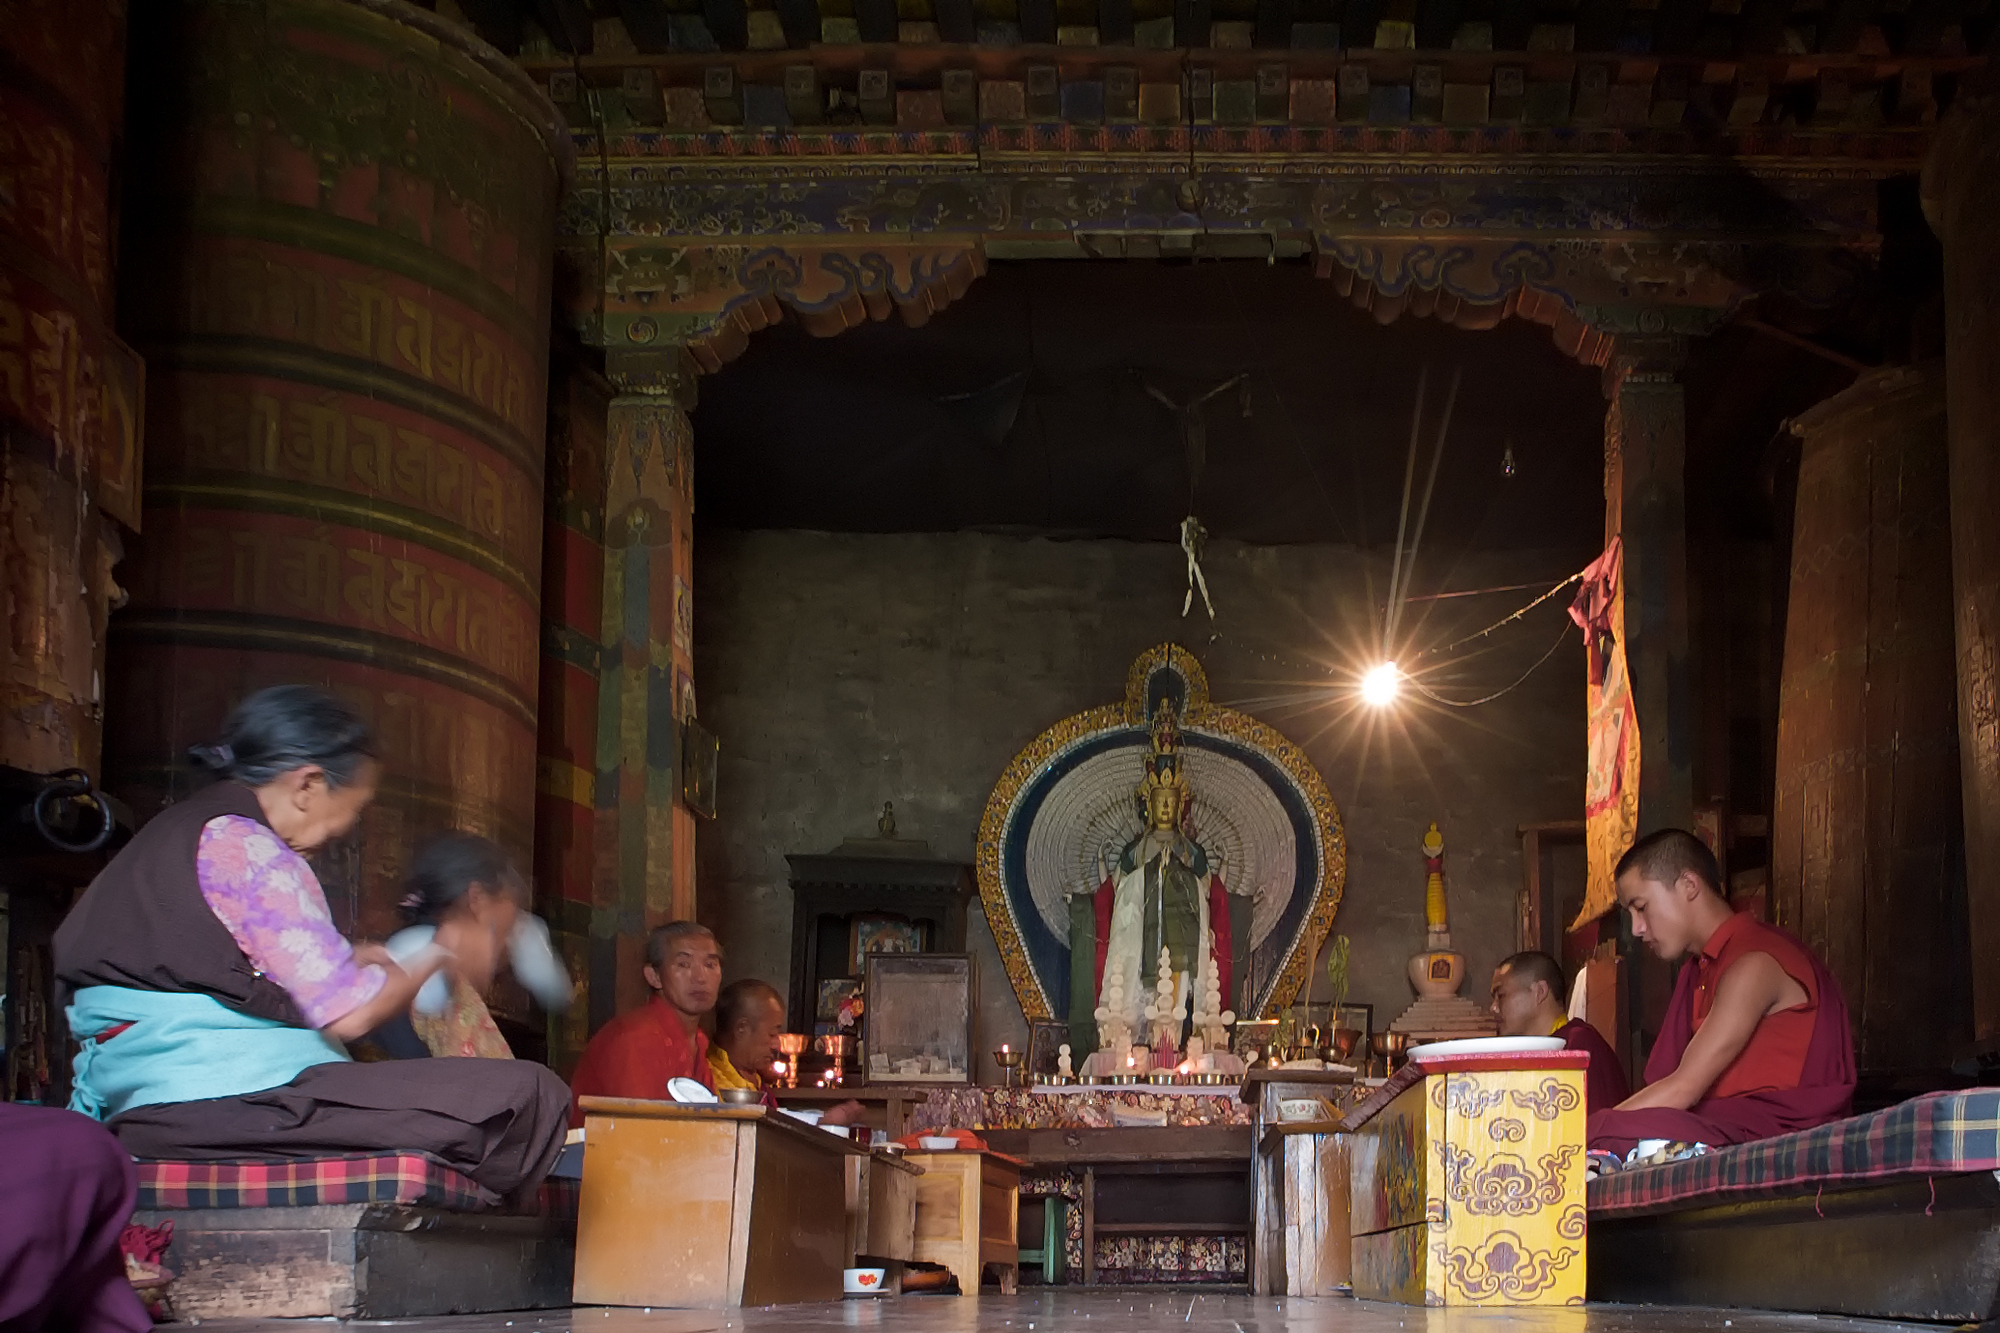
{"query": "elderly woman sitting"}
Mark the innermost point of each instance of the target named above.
(211, 994)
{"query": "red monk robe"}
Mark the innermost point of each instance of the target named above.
(1796, 1072)
(637, 1054)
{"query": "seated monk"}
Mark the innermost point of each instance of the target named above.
(1527, 1001)
(749, 1017)
(212, 996)
(1755, 1041)
(639, 1052)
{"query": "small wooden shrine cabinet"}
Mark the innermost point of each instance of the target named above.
(709, 1206)
(1466, 1183)
(868, 880)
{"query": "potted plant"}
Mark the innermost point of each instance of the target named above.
(1344, 1039)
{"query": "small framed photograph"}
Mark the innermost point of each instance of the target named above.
(883, 934)
(839, 1004)
(917, 1025)
(699, 750)
(1253, 1039)
(1044, 1041)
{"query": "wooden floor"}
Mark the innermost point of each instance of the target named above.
(1111, 1310)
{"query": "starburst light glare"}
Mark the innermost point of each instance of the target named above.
(1381, 684)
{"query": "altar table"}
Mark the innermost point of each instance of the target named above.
(709, 1206)
(1466, 1182)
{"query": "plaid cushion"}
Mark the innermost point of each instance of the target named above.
(404, 1177)
(1939, 1134)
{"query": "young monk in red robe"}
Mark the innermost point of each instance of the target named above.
(1756, 1041)
(639, 1052)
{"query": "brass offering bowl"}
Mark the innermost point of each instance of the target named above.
(1391, 1046)
(1210, 1080)
(740, 1096)
(1342, 1045)
(1118, 1080)
(1009, 1061)
(1163, 1078)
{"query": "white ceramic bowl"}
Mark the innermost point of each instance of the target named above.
(1301, 1108)
(937, 1142)
(810, 1117)
(863, 1281)
(1487, 1046)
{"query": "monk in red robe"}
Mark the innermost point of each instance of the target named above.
(1528, 1002)
(1756, 1041)
(637, 1053)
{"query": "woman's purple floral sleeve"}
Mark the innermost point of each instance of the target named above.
(272, 903)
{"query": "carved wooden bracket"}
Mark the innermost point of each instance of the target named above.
(711, 298)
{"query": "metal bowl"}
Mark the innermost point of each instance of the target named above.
(740, 1096)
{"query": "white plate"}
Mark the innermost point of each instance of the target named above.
(689, 1093)
(1487, 1046)
(810, 1116)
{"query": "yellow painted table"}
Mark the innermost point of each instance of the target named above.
(708, 1206)
(968, 1215)
(1466, 1182)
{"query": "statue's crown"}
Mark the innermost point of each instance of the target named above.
(1163, 757)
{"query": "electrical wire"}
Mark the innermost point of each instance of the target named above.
(1436, 698)
(1504, 620)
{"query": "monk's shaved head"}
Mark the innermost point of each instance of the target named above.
(1667, 854)
(1671, 890)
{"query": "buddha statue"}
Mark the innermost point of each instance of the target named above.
(1154, 945)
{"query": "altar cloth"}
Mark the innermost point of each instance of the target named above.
(1081, 1107)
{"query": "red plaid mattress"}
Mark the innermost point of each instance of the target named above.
(1940, 1134)
(405, 1177)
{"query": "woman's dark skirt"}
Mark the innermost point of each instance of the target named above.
(500, 1122)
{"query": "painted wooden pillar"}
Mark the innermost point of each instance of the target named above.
(1961, 193)
(1866, 834)
(69, 390)
(572, 661)
(345, 216)
(644, 867)
(1645, 504)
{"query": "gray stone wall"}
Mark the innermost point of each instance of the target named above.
(841, 671)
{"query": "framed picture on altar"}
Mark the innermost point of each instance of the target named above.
(868, 934)
(917, 1024)
(1361, 1018)
(1044, 1042)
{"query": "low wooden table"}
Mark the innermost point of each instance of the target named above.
(708, 1206)
(968, 1215)
(883, 1107)
(1277, 1213)
(1304, 1246)
(882, 1207)
(1466, 1182)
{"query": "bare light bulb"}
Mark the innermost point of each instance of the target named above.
(1381, 684)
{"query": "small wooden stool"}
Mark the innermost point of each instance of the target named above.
(968, 1215)
(708, 1206)
(1467, 1185)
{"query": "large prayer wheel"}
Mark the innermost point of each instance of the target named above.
(1867, 853)
(68, 387)
(344, 211)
